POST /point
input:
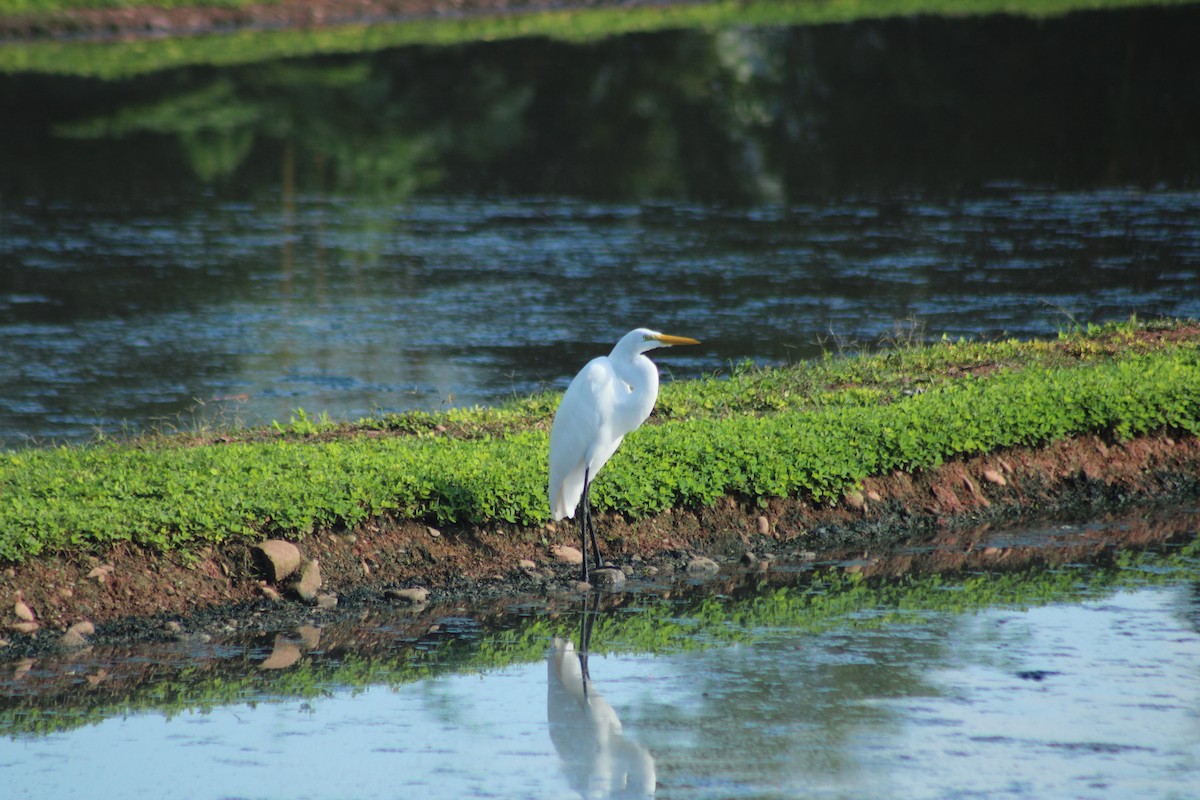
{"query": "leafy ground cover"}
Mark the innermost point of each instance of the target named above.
(164, 34)
(812, 430)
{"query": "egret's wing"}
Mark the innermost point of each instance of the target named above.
(579, 429)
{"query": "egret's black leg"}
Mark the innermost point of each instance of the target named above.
(597, 562)
(582, 513)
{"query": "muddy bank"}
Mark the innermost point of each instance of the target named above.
(129, 591)
(144, 22)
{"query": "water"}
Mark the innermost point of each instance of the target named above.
(1082, 685)
(206, 245)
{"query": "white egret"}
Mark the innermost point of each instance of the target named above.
(610, 397)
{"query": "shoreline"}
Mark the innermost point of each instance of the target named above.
(130, 593)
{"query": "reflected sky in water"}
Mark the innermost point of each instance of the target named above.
(1098, 699)
(333, 234)
(243, 314)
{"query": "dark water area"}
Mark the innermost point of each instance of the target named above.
(429, 227)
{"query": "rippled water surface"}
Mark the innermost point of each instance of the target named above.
(330, 233)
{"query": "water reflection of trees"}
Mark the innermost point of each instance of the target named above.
(737, 115)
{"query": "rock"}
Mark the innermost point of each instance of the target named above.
(582, 586)
(172, 626)
(23, 611)
(309, 582)
(434, 532)
(271, 593)
(73, 638)
(567, 554)
(310, 636)
(856, 501)
(26, 627)
(101, 572)
(283, 656)
(608, 578)
(702, 565)
(527, 564)
(4, 643)
(414, 596)
(327, 600)
(651, 570)
(992, 476)
(276, 559)
(83, 628)
(748, 558)
(764, 525)
(874, 496)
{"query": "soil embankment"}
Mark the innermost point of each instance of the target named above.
(943, 506)
(144, 22)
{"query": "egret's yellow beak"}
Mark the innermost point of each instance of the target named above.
(674, 340)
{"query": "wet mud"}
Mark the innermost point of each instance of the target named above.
(940, 519)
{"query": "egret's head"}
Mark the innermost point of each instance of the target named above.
(642, 339)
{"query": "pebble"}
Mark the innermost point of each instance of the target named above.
(702, 565)
(283, 656)
(856, 501)
(309, 582)
(26, 627)
(608, 578)
(276, 559)
(992, 476)
(310, 636)
(101, 572)
(77, 635)
(567, 554)
(527, 563)
(764, 525)
(327, 600)
(434, 532)
(415, 595)
(23, 611)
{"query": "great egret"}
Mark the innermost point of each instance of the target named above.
(610, 397)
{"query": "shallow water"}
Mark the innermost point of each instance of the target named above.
(1083, 683)
(231, 244)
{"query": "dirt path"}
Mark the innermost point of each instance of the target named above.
(943, 506)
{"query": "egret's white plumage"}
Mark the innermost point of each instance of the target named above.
(610, 397)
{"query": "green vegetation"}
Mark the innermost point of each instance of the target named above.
(118, 59)
(818, 602)
(814, 430)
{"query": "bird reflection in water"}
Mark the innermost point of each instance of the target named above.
(598, 760)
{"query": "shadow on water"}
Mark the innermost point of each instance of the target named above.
(429, 226)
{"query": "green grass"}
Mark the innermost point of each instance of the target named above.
(812, 430)
(112, 60)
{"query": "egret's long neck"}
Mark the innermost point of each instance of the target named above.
(641, 376)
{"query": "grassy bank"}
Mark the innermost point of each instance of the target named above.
(116, 59)
(812, 430)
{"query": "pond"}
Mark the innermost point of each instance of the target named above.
(1058, 678)
(428, 227)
